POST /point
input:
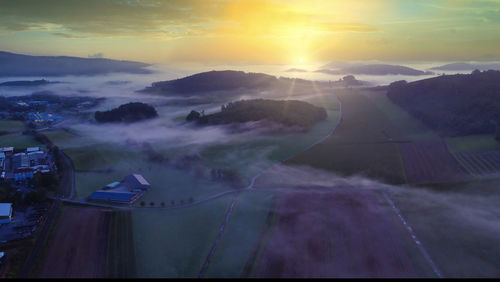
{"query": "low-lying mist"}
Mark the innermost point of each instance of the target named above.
(459, 227)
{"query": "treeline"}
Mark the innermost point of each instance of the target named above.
(453, 105)
(289, 112)
(130, 112)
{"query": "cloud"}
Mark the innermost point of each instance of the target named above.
(66, 35)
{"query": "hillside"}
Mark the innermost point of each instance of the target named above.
(213, 81)
(371, 69)
(229, 80)
(128, 113)
(23, 65)
(467, 67)
(453, 105)
(289, 113)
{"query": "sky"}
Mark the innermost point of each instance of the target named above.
(254, 31)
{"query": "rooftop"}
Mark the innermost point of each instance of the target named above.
(5, 209)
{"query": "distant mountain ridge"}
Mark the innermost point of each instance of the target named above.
(371, 69)
(25, 65)
(27, 83)
(468, 67)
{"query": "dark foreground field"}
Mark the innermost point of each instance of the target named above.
(79, 246)
(337, 233)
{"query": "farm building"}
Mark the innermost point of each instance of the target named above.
(5, 213)
(128, 190)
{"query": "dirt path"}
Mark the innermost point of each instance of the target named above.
(335, 233)
(79, 246)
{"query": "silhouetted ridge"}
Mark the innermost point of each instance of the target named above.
(24, 65)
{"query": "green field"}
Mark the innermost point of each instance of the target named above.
(241, 235)
(176, 243)
(364, 143)
(412, 128)
(472, 143)
(18, 141)
(121, 251)
(10, 126)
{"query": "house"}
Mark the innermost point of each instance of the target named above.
(5, 213)
(128, 190)
(136, 182)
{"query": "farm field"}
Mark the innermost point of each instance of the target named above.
(473, 143)
(336, 233)
(364, 143)
(413, 128)
(250, 157)
(121, 251)
(19, 141)
(482, 164)
(430, 162)
(175, 243)
(242, 234)
(83, 254)
(10, 126)
(459, 230)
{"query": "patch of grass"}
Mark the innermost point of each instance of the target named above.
(60, 137)
(121, 252)
(241, 235)
(412, 128)
(9, 126)
(18, 141)
(176, 243)
(99, 156)
(473, 143)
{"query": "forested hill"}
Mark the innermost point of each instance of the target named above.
(453, 105)
(213, 81)
(128, 113)
(232, 80)
(289, 113)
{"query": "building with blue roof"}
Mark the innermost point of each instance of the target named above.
(127, 191)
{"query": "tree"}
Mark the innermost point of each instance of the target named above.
(172, 202)
(152, 204)
(162, 204)
(35, 197)
(143, 203)
(191, 199)
(47, 180)
(182, 202)
(193, 116)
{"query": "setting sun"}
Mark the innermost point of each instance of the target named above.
(301, 60)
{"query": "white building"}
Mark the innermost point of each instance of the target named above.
(5, 213)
